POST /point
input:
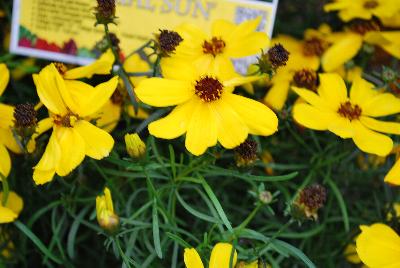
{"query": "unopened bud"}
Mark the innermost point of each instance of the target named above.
(106, 217)
(265, 197)
(276, 57)
(246, 153)
(167, 42)
(135, 147)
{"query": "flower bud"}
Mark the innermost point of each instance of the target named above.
(308, 202)
(246, 153)
(135, 147)
(167, 42)
(106, 217)
(265, 197)
(105, 11)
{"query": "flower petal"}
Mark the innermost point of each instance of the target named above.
(313, 99)
(43, 126)
(342, 127)
(202, 129)
(175, 124)
(362, 92)
(176, 68)
(46, 168)
(161, 92)
(192, 258)
(72, 148)
(7, 139)
(378, 246)
(389, 41)
(14, 202)
(370, 141)
(393, 176)
(332, 89)
(97, 142)
(381, 126)
(101, 66)
(4, 77)
(260, 119)
(278, 93)
(311, 117)
(341, 51)
(221, 256)
(382, 104)
(108, 116)
(7, 215)
(5, 161)
(6, 116)
(232, 131)
(47, 83)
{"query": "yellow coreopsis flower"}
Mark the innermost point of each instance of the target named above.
(207, 110)
(7, 139)
(10, 210)
(227, 41)
(346, 45)
(363, 9)
(70, 104)
(350, 116)
(220, 257)
(304, 55)
(106, 217)
(378, 246)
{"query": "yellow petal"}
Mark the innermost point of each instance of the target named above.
(381, 126)
(378, 246)
(97, 142)
(311, 117)
(232, 131)
(240, 80)
(14, 202)
(175, 124)
(108, 116)
(109, 202)
(72, 149)
(6, 116)
(260, 119)
(342, 127)
(393, 176)
(222, 28)
(46, 168)
(341, 51)
(175, 68)
(221, 255)
(278, 93)
(47, 83)
(362, 92)
(101, 66)
(370, 141)
(313, 99)
(332, 89)
(141, 114)
(7, 138)
(4, 77)
(7, 215)
(202, 129)
(389, 41)
(43, 126)
(160, 92)
(192, 258)
(191, 46)
(5, 161)
(382, 104)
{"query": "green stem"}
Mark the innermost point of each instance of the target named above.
(283, 228)
(249, 218)
(6, 189)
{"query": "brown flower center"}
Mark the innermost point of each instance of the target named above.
(306, 78)
(214, 47)
(314, 47)
(208, 89)
(371, 4)
(67, 120)
(364, 26)
(168, 41)
(349, 111)
(61, 68)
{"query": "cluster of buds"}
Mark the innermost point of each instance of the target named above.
(105, 11)
(167, 42)
(246, 153)
(25, 122)
(275, 57)
(135, 147)
(106, 217)
(308, 202)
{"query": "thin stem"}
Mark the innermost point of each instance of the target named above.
(250, 217)
(6, 189)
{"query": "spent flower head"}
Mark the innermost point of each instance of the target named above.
(105, 11)
(308, 202)
(167, 42)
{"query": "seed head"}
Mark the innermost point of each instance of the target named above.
(167, 42)
(25, 115)
(246, 153)
(309, 201)
(105, 11)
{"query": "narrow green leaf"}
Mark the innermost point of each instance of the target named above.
(156, 231)
(341, 202)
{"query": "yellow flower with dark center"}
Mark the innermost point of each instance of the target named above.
(378, 246)
(220, 257)
(215, 51)
(350, 116)
(304, 55)
(347, 44)
(10, 210)
(70, 103)
(7, 139)
(363, 9)
(106, 217)
(207, 110)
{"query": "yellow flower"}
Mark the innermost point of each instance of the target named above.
(242, 264)
(227, 41)
(70, 103)
(106, 217)
(378, 246)
(304, 55)
(349, 117)
(6, 122)
(220, 257)
(10, 210)
(207, 110)
(347, 44)
(393, 176)
(363, 9)
(393, 21)
(135, 147)
(103, 65)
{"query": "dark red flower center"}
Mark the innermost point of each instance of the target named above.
(214, 47)
(314, 47)
(349, 111)
(371, 4)
(208, 89)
